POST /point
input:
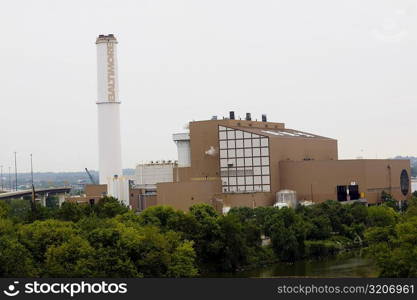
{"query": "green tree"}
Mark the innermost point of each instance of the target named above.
(40, 235)
(15, 259)
(73, 258)
(382, 216)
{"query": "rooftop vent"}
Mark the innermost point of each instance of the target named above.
(231, 115)
(248, 117)
(263, 118)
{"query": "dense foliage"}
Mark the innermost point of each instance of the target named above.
(108, 240)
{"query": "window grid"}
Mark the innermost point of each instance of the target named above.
(255, 173)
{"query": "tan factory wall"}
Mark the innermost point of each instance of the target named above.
(317, 181)
(91, 190)
(246, 199)
(385, 175)
(283, 149)
(181, 174)
(182, 195)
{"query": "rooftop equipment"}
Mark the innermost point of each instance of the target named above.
(248, 117)
(231, 115)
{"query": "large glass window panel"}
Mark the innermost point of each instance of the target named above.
(225, 189)
(222, 135)
(222, 128)
(223, 153)
(249, 179)
(240, 172)
(239, 134)
(248, 152)
(266, 188)
(248, 161)
(240, 162)
(223, 145)
(256, 143)
(257, 180)
(256, 152)
(256, 161)
(225, 180)
(247, 135)
(256, 170)
(241, 188)
(249, 188)
(231, 153)
(241, 180)
(248, 171)
(265, 161)
(232, 180)
(231, 135)
(264, 142)
(255, 135)
(231, 162)
(239, 143)
(230, 144)
(257, 188)
(224, 172)
(239, 152)
(265, 170)
(247, 143)
(264, 151)
(233, 188)
(223, 163)
(265, 179)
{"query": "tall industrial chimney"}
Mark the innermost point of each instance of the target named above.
(109, 141)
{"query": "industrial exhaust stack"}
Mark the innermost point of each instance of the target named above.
(108, 104)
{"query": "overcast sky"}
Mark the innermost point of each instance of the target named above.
(345, 69)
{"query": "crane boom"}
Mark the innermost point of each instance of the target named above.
(91, 177)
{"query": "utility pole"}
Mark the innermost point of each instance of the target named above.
(15, 170)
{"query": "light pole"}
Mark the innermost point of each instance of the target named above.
(10, 179)
(15, 170)
(1, 171)
(31, 168)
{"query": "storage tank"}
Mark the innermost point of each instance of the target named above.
(288, 197)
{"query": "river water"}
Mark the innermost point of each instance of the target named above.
(350, 264)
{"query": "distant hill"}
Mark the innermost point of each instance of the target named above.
(48, 179)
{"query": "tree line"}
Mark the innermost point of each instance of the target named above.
(109, 240)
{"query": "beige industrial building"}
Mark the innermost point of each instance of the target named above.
(228, 163)
(245, 163)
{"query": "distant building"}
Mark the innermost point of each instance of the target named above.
(154, 172)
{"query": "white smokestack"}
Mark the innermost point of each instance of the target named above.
(184, 151)
(110, 156)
